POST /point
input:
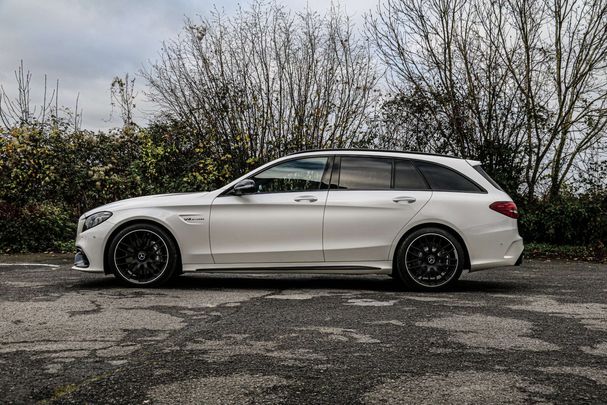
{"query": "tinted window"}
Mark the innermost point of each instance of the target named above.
(365, 173)
(406, 177)
(294, 175)
(442, 178)
(487, 177)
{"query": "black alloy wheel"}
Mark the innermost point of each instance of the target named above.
(429, 259)
(143, 255)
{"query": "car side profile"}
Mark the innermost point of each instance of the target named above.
(421, 218)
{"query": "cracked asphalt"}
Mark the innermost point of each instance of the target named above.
(536, 333)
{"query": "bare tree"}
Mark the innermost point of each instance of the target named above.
(267, 81)
(18, 110)
(123, 96)
(525, 76)
(452, 92)
(558, 61)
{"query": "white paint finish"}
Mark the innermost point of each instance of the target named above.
(273, 232)
(489, 236)
(271, 227)
(361, 225)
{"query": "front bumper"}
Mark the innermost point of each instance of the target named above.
(90, 246)
(80, 260)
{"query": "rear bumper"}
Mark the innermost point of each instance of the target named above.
(512, 257)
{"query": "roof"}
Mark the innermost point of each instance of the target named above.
(373, 150)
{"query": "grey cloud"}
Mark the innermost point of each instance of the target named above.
(85, 44)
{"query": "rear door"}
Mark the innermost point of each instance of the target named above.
(371, 199)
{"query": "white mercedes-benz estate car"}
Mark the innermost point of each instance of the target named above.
(418, 217)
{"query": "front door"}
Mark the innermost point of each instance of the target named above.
(281, 222)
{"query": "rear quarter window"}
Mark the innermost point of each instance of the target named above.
(483, 173)
(441, 178)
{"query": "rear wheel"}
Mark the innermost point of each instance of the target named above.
(429, 259)
(143, 255)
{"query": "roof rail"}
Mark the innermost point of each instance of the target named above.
(372, 150)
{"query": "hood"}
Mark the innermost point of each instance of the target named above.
(156, 200)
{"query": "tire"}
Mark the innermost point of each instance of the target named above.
(429, 259)
(143, 255)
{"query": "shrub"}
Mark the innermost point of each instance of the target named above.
(35, 228)
(567, 220)
(50, 177)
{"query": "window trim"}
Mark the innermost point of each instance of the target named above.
(366, 189)
(479, 169)
(481, 190)
(421, 175)
(327, 174)
(229, 191)
(337, 167)
(334, 165)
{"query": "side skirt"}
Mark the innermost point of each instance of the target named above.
(295, 268)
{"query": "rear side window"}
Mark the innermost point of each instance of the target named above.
(444, 179)
(487, 177)
(365, 173)
(406, 176)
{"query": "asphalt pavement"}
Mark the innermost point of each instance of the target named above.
(535, 333)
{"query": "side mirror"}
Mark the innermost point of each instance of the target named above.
(246, 186)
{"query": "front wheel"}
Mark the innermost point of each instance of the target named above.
(143, 255)
(429, 259)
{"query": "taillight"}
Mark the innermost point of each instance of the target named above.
(508, 208)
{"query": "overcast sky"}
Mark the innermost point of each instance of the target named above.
(85, 43)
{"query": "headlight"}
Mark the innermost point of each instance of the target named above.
(95, 219)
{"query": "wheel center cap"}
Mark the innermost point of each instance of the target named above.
(141, 256)
(431, 259)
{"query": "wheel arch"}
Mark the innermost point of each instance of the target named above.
(444, 227)
(130, 222)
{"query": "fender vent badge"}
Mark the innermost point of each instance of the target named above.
(193, 219)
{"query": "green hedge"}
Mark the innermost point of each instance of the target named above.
(49, 178)
(35, 228)
(569, 220)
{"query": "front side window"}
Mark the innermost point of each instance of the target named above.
(443, 179)
(365, 173)
(294, 175)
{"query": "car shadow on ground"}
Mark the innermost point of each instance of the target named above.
(301, 282)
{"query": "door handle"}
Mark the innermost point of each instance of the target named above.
(404, 199)
(309, 198)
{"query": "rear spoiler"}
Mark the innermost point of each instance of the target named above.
(473, 162)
